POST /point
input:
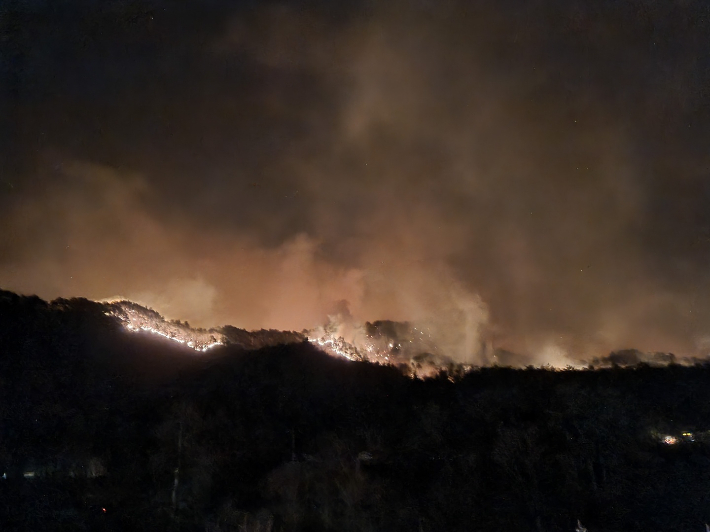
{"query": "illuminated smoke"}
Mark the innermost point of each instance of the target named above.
(437, 166)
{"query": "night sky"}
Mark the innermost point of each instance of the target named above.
(538, 171)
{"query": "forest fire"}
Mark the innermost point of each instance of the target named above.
(415, 350)
(136, 318)
(382, 342)
(337, 346)
(315, 425)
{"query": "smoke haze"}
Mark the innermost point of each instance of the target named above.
(532, 175)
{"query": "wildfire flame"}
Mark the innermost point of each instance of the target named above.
(135, 318)
(379, 343)
(337, 346)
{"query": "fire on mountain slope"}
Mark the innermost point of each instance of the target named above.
(411, 348)
(382, 342)
(402, 344)
(137, 318)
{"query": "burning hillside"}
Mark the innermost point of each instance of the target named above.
(383, 342)
(137, 318)
(413, 348)
(83, 383)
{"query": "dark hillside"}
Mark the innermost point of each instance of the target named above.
(102, 429)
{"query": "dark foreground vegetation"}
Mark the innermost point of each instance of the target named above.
(101, 429)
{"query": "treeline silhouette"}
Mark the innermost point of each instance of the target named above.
(102, 429)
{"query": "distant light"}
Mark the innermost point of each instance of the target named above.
(669, 440)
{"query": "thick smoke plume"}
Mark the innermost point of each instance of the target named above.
(517, 177)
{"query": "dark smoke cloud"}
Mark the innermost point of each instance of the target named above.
(532, 175)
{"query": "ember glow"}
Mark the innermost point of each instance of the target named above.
(337, 346)
(413, 349)
(385, 343)
(136, 318)
(197, 346)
